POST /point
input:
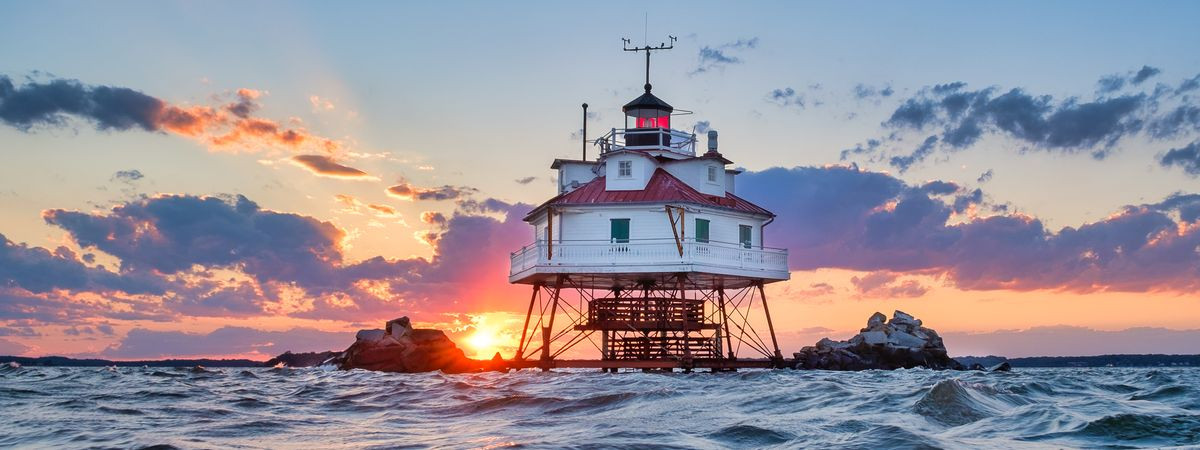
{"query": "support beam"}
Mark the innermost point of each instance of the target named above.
(770, 326)
(553, 311)
(549, 233)
(678, 233)
(525, 328)
(725, 321)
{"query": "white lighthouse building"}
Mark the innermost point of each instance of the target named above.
(649, 253)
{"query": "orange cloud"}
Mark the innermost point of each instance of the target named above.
(407, 191)
(325, 166)
(233, 127)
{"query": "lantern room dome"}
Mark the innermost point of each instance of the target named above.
(647, 106)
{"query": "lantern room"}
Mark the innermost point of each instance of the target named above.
(648, 111)
(651, 120)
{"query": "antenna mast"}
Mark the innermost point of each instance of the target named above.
(648, 49)
(584, 132)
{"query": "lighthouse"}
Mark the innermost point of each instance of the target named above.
(647, 258)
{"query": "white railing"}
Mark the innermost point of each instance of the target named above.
(647, 139)
(585, 254)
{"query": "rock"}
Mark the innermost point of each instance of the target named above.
(370, 335)
(401, 348)
(873, 337)
(1002, 367)
(308, 359)
(902, 339)
(902, 319)
(901, 342)
(976, 366)
(399, 328)
(877, 320)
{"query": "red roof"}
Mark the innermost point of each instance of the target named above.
(662, 188)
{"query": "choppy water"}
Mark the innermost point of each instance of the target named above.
(314, 408)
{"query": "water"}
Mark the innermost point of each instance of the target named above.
(315, 408)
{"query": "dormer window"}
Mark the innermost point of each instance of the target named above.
(624, 169)
(712, 174)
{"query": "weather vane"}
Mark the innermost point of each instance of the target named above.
(648, 49)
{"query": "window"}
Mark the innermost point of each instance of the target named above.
(744, 232)
(701, 230)
(620, 231)
(624, 169)
(712, 174)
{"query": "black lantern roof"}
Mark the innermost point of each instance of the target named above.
(647, 105)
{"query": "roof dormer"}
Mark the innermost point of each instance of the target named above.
(627, 171)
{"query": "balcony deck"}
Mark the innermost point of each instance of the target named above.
(604, 264)
(648, 139)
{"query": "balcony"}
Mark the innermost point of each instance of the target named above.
(652, 256)
(663, 139)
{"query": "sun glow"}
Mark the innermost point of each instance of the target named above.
(485, 341)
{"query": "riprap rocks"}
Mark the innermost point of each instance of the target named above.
(400, 348)
(899, 343)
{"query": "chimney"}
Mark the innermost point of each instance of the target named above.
(712, 142)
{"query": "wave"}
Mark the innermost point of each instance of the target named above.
(750, 436)
(264, 407)
(955, 402)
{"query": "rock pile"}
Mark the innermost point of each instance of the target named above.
(901, 342)
(400, 348)
(306, 359)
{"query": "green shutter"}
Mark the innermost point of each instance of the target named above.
(701, 230)
(744, 235)
(620, 230)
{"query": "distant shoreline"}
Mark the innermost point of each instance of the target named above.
(1122, 360)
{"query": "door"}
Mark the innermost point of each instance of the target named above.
(619, 234)
(702, 230)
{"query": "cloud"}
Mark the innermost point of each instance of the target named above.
(141, 343)
(786, 97)
(433, 218)
(1188, 85)
(711, 58)
(843, 217)
(407, 191)
(1187, 158)
(39, 270)
(1065, 340)
(951, 117)
(182, 255)
(1115, 82)
(864, 92)
(963, 117)
(382, 209)
(19, 331)
(230, 126)
(1182, 120)
(8, 347)
(1145, 73)
(325, 166)
(170, 234)
(128, 175)
(525, 180)
(355, 206)
(985, 177)
(884, 284)
(939, 187)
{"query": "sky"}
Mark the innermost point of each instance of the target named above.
(227, 179)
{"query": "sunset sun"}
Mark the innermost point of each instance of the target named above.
(484, 341)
